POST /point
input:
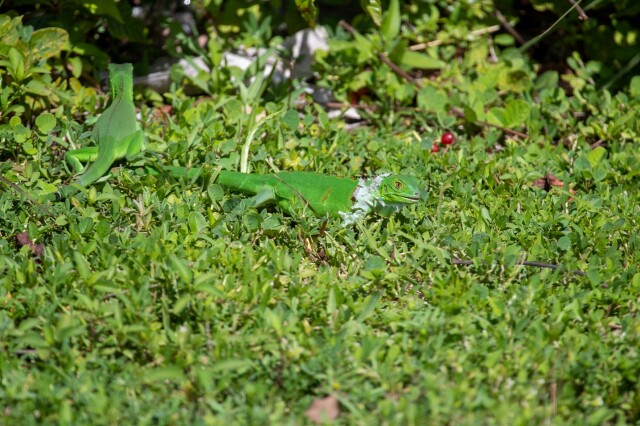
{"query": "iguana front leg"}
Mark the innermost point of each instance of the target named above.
(103, 157)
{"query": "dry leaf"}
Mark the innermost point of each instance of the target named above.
(22, 239)
(549, 181)
(323, 409)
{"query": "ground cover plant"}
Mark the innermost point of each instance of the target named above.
(151, 299)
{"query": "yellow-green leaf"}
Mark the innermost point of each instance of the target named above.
(516, 112)
(596, 155)
(374, 9)
(420, 60)
(48, 42)
(308, 11)
(45, 122)
(390, 27)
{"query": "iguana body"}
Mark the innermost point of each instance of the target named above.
(332, 196)
(116, 132)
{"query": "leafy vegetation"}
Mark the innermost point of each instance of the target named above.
(153, 300)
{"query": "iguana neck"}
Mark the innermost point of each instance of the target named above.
(366, 198)
(120, 81)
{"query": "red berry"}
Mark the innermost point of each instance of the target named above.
(447, 138)
(435, 148)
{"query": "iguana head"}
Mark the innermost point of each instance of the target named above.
(399, 189)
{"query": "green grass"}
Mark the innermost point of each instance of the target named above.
(152, 305)
(158, 301)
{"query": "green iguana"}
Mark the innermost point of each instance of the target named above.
(116, 132)
(331, 196)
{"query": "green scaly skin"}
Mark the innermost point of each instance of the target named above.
(295, 192)
(116, 133)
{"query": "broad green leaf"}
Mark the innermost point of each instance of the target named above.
(38, 87)
(390, 27)
(516, 112)
(5, 25)
(308, 11)
(16, 62)
(513, 80)
(372, 302)
(102, 7)
(599, 173)
(181, 268)
(564, 243)
(375, 264)
(547, 80)
(634, 86)
(596, 155)
(161, 374)
(374, 9)
(432, 99)
(420, 60)
(76, 66)
(197, 222)
(45, 122)
(48, 42)
(364, 46)
(291, 119)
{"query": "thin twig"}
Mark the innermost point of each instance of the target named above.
(583, 16)
(396, 69)
(539, 37)
(457, 261)
(507, 26)
(26, 194)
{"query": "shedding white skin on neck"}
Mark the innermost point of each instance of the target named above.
(366, 196)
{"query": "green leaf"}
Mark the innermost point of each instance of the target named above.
(564, 243)
(375, 264)
(596, 155)
(419, 60)
(374, 9)
(291, 119)
(390, 27)
(634, 86)
(372, 302)
(102, 7)
(38, 87)
(181, 268)
(432, 99)
(504, 40)
(516, 112)
(16, 62)
(547, 80)
(48, 42)
(273, 320)
(197, 222)
(45, 122)
(161, 374)
(76, 66)
(308, 11)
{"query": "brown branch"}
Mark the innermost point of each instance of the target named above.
(383, 57)
(396, 69)
(507, 26)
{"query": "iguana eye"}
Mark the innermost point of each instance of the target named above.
(397, 184)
